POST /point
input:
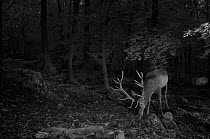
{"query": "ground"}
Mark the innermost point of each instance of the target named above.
(26, 111)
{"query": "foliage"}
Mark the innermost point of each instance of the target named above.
(204, 31)
(156, 46)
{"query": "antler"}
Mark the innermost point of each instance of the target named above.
(141, 84)
(120, 88)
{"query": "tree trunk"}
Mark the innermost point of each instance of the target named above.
(85, 50)
(117, 59)
(130, 25)
(70, 63)
(1, 48)
(13, 51)
(60, 25)
(72, 41)
(24, 38)
(126, 63)
(103, 43)
(47, 65)
(106, 79)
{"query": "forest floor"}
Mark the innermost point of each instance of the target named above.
(24, 112)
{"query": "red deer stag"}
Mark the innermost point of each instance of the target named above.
(154, 81)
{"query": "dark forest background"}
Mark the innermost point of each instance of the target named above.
(88, 43)
(84, 37)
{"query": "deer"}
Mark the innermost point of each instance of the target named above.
(153, 83)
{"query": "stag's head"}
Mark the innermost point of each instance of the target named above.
(142, 100)
(142, 106)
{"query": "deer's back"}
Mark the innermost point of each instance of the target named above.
(155, 80)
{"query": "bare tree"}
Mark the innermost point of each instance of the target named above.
(85, 49)
(60, 25)
(47, 65)
(72, 40)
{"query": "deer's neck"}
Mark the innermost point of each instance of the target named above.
(146, 96)
(149, 89)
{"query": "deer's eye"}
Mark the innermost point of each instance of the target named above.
(142, 105)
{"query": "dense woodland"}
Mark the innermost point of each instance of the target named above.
(60, 61)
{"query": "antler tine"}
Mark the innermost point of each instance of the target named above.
(141, 84)
(122, 76)
(119, 80)
(120, 88)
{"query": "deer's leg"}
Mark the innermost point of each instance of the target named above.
(160, 102)
(166, 97)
